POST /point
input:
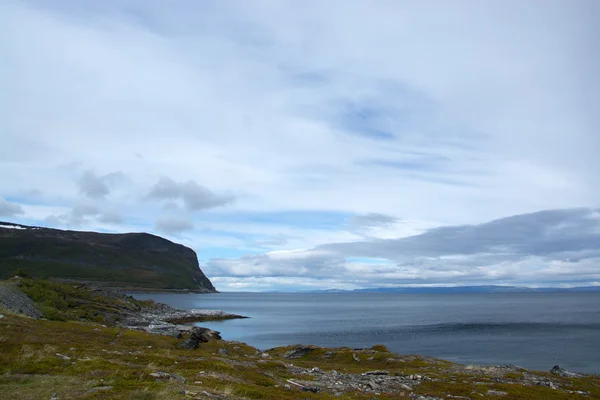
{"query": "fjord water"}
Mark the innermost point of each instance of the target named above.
(531, 330)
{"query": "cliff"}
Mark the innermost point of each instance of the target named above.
(131, 260)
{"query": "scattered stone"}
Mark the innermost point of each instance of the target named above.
(355, 357)
(493, 392)
(1, 315)
(54, 396)
(264, 355)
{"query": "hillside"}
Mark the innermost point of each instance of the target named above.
(129, 260)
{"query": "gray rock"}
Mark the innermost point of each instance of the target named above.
(376, 373)
(199, 335)
(164, 376)
(557, 370)
(312, 389)
(63, 357)
(13, 299)
(300, 351)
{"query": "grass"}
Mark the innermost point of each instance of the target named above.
(64, 302)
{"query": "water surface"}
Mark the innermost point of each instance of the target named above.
(532, 330)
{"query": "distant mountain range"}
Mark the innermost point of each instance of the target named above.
(463, 289)
(128, 260)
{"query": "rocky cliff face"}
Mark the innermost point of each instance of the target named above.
(132, 260)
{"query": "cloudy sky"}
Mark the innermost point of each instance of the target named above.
(313, 144)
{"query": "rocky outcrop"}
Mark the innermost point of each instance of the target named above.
(13, 299)
(130, 260)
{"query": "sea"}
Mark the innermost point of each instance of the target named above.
(530, 330)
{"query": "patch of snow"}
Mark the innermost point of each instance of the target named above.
(13, 227)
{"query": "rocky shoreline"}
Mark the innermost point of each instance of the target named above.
(165, 320)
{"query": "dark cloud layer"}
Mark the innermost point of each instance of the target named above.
(544, 233)
(547, 246)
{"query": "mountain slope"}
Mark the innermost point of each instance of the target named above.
(132, 260)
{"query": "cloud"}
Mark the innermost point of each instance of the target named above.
(544, 247)
(97, 187)
(544, 233)
(173, 224)
(85, 214)
(194, 196)
(8, 209)
(372, 220)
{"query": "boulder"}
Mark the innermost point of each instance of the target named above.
(557, 370)
(300, 351)
(199, 335)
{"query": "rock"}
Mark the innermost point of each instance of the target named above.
(99, 389)
(161, 376)
(376, 373)
(177, 378)
(63, 357)
(189, 344)
(223, 351)
(355, 357)
(264, 355)
(13, 299)
(199, 335)
(421, 397)
(54, 396)
(300, 351)
(312, 389)
(557, 370)
(492, 392)
(1, 315)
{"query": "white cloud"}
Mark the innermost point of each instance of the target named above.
(448, 115)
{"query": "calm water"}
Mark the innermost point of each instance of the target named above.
(532, 330)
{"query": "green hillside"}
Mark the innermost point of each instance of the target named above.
(133, 260)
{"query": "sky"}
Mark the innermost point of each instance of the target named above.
(314, 144)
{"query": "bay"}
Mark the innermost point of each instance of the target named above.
(531, 330)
